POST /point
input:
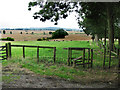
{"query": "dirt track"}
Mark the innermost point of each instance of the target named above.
(28, 79)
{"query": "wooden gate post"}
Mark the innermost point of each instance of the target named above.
(69, 56)
(54, 54)
(9, 50)
(23, 51)
(38, 54)
(6, 45)
(88, 57)
(84, 58)
(91, 58)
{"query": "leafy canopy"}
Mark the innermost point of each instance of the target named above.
(60, 33)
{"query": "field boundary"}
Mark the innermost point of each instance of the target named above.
(8, 52)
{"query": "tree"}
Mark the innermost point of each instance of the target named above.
(43, 33)
(20, 32)
(60, 33)
(4, 31)
(98, 14)
(32, 33)
(94, 20)
(10, 32)
(50, 32)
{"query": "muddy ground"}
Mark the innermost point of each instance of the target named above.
(23, 78)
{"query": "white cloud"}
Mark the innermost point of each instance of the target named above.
(14, 13)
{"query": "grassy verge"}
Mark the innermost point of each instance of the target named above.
(46, 67)
(79, 74)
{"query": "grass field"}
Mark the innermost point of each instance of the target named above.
(60, 69)
(61, 54)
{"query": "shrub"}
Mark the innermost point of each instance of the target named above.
(10, 39)
(43, 38)
(44, 33)
(4, 31)
(50, 32)
(40, 39)
(60, 33)
(32, 33)
(49, 38)
(7, 39)
(20, 32)
(10, 32)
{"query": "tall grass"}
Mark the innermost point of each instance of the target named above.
(46, 67)
(46, 55)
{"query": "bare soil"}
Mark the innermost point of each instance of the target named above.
(73, 35)
(28, 79)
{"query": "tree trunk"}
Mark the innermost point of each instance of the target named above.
(119, 41)
(96, 38)
(105, 37)
(119, 37)
(110, 25)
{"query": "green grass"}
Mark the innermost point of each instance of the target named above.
(59, 69)
(47, 54)
(10, 78)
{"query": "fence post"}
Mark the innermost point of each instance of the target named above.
(23, 51)
(109, 58)
(6, 50)
(84, 58)
(91, 58)
(54, 54)
(119, 59)
(37, 54)
(104, 57)
(69, 56)
(88, 57)
(9, 50)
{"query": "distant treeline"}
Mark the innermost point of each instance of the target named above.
(48, 28)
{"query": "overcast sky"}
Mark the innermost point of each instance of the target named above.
(15, 14)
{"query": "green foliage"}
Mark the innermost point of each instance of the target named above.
(43, 33)
(50, 32)
(10, 78)
(50, 11)
(10, 32)
(42, 39)
(4, 31)
(7, 39)
(39, 39)
(60, 33)
(32, 33)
